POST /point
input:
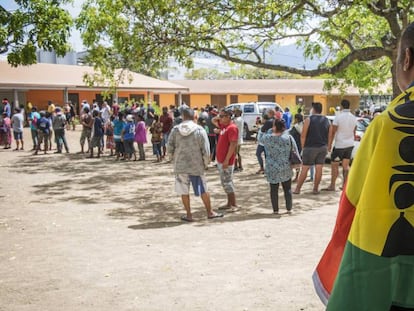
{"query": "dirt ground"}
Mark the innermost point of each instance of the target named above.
(96, 234)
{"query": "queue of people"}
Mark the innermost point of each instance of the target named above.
(117, 130)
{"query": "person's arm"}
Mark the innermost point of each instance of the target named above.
(216, 121)
(230, 152)
(332, 133)
(304, 132)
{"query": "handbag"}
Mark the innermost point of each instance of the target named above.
(294, 158)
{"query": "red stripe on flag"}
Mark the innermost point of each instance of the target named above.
(327, 269)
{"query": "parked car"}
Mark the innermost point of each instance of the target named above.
(362, 124)
(251, 111)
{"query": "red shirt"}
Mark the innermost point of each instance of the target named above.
(228, 134)
(167, 122)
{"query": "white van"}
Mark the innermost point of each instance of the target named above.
(250, 112)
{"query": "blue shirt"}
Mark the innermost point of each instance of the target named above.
(129, 131)
(98, 127)
(43, 125)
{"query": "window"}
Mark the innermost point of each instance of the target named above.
(234, 99)
(266, 98)
(249, 108)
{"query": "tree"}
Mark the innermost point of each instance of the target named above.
(35, 24)
(238, 72)
(360, 35)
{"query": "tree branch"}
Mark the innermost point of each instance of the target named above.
(366, 54)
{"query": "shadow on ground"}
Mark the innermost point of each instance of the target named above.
(144, 191)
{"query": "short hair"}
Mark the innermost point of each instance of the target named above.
(299, 117)
(317, 107)
(17, 109)
(227, 112)
(187, 113)
(407, 41)
(280, 125)
(345, 103)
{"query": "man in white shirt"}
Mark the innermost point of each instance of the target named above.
(342, 135)
(238, 120)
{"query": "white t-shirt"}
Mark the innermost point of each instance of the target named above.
(346, 122)
(240, 124)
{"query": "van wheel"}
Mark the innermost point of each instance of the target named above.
(246, 132)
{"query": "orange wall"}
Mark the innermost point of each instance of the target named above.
(40, 98)
(286, 100)
(167, 99)
(200, 100)
(247, 98)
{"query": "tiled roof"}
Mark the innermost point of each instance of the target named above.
(56, 76)
(278, 86)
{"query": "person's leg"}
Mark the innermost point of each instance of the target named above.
(239, 158)
(231, 200)
(141, 151)
(21, 141)
(287, 190)
(334, 175)
(205, 197)
(65, 142)
(274, 197)
(99, 147)
(46, 142)
(185, 198)
(312, 172)
(318, 177)
(82, 141)
(32, 132)
(259, 151)
(345, 170)
(301, 179)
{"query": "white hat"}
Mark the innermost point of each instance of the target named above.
(129, 118)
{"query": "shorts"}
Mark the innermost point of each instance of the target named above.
(96, 141)
(338, 154)
(226, 177)
(18, 135)
(183, 181)
(314, 155)
(129, 146)
(86, 134)
(164, 140)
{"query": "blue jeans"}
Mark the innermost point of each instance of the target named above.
(259, 150)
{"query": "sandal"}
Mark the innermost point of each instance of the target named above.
(215, 215)
(185, 218)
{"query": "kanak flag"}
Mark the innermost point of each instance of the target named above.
(369, 262)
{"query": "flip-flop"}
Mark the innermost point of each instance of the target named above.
(215, 215)
(315, 192)
(328, 189)
(185, 218)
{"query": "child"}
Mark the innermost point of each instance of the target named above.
(156, 138)
(98, 133)
(43, 128)
(5, 131)
(128, 135)
(140, 136)
(109, 132)
(118, 125)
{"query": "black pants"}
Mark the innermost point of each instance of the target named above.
(274, 188)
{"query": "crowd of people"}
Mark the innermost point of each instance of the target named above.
(122, 131)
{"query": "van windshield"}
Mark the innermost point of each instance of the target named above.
(264, 107)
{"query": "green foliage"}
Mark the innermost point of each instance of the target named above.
(238, 72)
(36, 24)
(141, 35)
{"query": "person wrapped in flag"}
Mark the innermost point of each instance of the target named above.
(369, 262)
